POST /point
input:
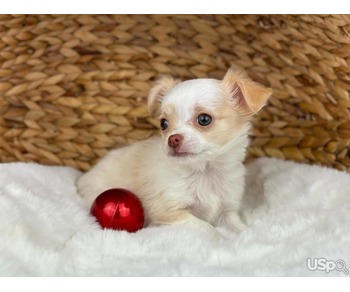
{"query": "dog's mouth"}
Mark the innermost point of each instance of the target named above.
(182, 154)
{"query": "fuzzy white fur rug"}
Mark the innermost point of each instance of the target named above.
(294, 212)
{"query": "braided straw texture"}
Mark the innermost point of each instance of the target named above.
(72, 87)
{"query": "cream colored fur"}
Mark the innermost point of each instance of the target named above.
(204, 186)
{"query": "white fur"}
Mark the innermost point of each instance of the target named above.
(186, 95)
(203, 190)
(294, 212)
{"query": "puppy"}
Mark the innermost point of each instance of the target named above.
(193, 174)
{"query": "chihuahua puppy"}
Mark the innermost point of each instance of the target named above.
(193, 174)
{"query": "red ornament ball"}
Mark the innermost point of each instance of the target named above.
(118, 209)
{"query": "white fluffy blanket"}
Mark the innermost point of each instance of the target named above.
(294, 212)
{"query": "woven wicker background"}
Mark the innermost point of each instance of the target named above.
(73, 87)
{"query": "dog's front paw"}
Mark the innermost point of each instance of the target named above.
(86, 188)
(232, 221)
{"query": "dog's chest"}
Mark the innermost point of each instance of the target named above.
(208, 190)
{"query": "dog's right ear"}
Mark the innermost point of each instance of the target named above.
(157, 93)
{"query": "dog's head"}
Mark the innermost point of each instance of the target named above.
(198, 118)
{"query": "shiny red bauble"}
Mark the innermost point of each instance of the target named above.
(118, 209)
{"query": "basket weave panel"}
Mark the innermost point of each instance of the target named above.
(72, 87)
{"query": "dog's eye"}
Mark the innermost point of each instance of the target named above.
(164, 124)
(204, 119)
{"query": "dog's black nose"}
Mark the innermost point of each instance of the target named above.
(174, 141)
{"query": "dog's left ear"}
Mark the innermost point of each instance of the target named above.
(157, 93)
(248, 95)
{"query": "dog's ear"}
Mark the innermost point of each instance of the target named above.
(248, 95)
(157, 93)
